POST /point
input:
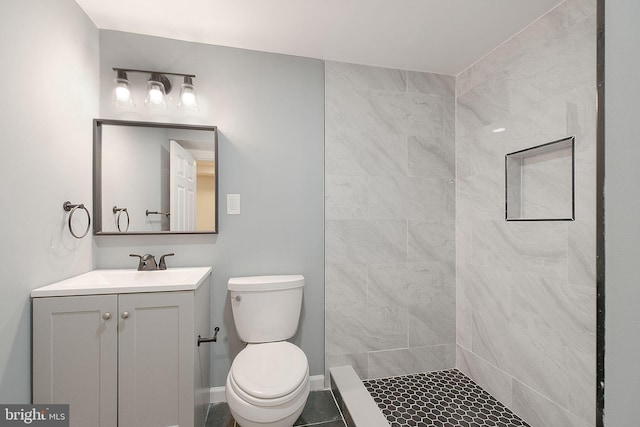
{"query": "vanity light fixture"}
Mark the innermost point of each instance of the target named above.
(158, 87)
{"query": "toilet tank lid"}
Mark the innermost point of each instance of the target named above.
(265, 283)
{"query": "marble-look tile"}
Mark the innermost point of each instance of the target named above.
(487, 289)
(482, 196)
(552, 307)
(345, 286)
(582, 253)
(450, 198)
(585, 176)
(539, 360)
(345, 197)
(411, 360)
(388, 197)
(521, 247)
(581, 400)
(535, 125)
(359, 110)
(435, 84)
(356, 241)
(352, 331)
(433, 322)
(365, 77)
(431, 157)
(429, 241)
(539, 411)
(555, 344)
(388, 285)
(413, 198)
(431, 306)
(488, 376)
(464, 319)
(360, 152)
(359, 362)
(581, 117)
(580, 9)
(492, 338)
(449, 110)
(410, 114)
(486, 103)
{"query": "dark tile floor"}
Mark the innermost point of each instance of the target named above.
(440, 399)
(320, 411)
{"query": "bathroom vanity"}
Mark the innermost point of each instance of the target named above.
(120, 346)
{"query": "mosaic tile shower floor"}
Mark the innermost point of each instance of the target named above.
(441, 399)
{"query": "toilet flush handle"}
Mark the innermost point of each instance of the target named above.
(238, 298)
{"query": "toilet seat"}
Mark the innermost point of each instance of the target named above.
(269, 374)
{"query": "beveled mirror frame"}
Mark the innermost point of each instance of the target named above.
(97, 172)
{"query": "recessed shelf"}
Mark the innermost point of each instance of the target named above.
(540, 182)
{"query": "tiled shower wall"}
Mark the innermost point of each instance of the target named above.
(389, 220)
(526, 291)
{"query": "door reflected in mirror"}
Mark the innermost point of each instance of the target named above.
(154, 178)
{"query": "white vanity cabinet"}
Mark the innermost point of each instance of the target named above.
(125, 359)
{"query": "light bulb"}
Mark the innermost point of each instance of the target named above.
(123, 97)
(188, 97)
(123, 93)
(155, 95)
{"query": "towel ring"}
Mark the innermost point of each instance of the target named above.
(68, 207)
(117, 212)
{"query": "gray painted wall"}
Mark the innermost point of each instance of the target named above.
(390, 212)
(50, 87)
(526, 290)
(270, 113)
(622, 204)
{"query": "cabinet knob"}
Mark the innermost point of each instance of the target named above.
(125, 315)
(106, 316)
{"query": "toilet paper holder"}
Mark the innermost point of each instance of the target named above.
(214, 338)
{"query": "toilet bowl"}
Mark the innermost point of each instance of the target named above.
(268, 383)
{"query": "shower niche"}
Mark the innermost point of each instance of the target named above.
(540, 182)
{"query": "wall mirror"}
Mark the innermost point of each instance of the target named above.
(154, 178)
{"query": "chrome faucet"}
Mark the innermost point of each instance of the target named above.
(148, 262)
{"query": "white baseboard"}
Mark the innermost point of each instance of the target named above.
(216, 394)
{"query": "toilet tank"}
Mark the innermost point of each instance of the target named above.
(266, 308)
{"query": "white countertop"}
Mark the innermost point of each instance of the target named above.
(99, 282)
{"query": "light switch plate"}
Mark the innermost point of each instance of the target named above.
(233, 204)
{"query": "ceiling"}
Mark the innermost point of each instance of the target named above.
(440, 36)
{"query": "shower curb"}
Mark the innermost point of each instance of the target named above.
(355, 402)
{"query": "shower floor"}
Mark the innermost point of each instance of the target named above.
(442, 399)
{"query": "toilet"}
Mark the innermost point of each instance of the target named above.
(268, 383)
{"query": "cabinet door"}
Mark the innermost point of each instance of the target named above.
(75, 357)
(156, 356)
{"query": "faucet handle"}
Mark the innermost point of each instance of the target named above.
(141, 263)
(163, 264)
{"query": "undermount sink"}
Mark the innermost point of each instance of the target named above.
(126, 281)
